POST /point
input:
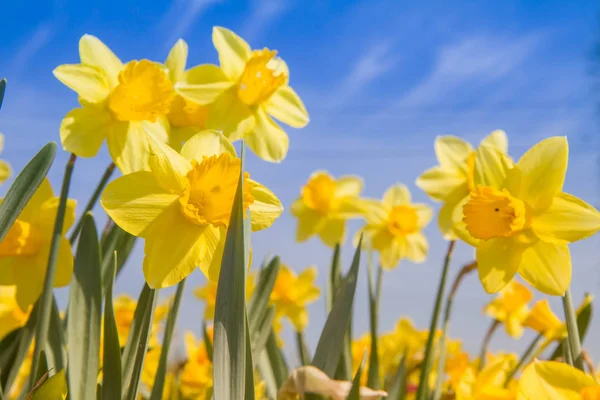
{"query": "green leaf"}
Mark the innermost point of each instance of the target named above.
(23, 339)
(397, 389)
(355, 390)
(335, 277)
(583, 322)
(2, 90)
(141, 348)
(24, 186)
(207, 341)
(331, 342)
(136, 332)
(261, 335)
(115, 239)
(373, 378)
(259, 302)
(229, 357)
(85, 313)
(161, 372)
(42, 368)
(111, 358)
(272, 367)
(53, 388)
(55, 346)
(249, 387)
(302, 349)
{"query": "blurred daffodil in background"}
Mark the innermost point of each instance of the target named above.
(121, 103)
(182, 206)
(11, 315)
(208, 294)
(324, 205)
(5, 170)
(452, 180)
(25, 248)
(196, 377)
(393, 227)
(556, 381)
(520, 220)
(511, 307)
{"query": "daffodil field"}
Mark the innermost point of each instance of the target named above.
(178, 136)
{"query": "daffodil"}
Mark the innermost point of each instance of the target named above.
(186, 117)
(394, 227)
(511, 307)
(324, 205)
(11, 315)
(489, 383)
(121, 103)
(25, 248)
(556, 381)
(182, 206)
(124, 308)
(292, 293)
(251, 87)
(196, 379)
(208, 293)
(5, 170)
(520, 220)
(452, 180)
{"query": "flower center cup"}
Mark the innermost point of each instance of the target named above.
(185, 113)
(492, 213)
(21, 240)
(210, 190)
(143, 93)
(403, 220)
(319, 194)
(263, 75)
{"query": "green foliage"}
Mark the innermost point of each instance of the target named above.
(111, 358)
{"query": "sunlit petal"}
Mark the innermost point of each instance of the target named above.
(547, 267)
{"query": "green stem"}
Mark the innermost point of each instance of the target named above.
(428, 358)
(373, 377)
(525, 357)
(437, 394)
(45, 301)
(92, 202)
(568, 357)
(486, 343)
(302, 350)
(573, 337)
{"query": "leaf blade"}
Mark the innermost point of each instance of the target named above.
(111, 358)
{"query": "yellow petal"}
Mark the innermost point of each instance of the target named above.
(31, 212)
(267, 140)
(176, 60)
(231, 116)
(547, 267)
(87, 81)
(447, 212)
(28, 276)
(452, 152)
(286, 106)
(309, 223)
(46, 216)
(5, 171)
(233, 51)
(169, 167)
(202, 84)
(375, 212)
(134, 201)
(333, 232)
(348, 186)
(568, 219)
(458, 225)
(173, 248)
(552, 380)
(424, 214)
(64, 264)
(543, 169)
(83, 130)
(396, 195)
(491, 167)
(206, 143)
(416, 247)
(498, 261)
(440, 183)
(392, 254)
(265, 209)
(496, 139)
(212, 269)
(93, 52)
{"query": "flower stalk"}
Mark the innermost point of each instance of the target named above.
(573, 340)
(486, 342)
(525, 358)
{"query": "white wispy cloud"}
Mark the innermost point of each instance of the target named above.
(40, 36)
(180, 17)
(375, 62)
(262, 14)
(473, 60)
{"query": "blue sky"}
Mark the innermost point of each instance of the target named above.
(381, 79)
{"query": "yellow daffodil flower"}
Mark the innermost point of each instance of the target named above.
(556, 381)
(124, 308)
(186, 117)
(519, 219)
(25, 248)
(292, 293)
(251, 87)
(11, 315)
(208, 293)
(394, 227)
(149, 370)
(511, 307)
(489, 383)
(325, 204)
(5, 170)
(196, 379)
(182, 206)
(452, 180)
(120, 103)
